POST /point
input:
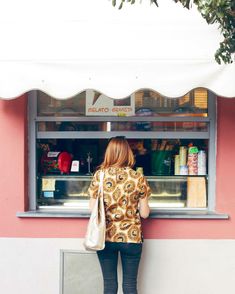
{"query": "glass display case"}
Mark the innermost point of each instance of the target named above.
(70, 192)
(59, 191)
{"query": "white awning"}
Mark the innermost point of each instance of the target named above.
(64, 47)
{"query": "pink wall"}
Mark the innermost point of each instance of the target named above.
(13, 185)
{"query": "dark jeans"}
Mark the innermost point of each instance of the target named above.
(130, 257)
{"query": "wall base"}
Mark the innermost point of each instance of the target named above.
(167, 266)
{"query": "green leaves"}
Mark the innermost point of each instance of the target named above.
(223, 13)
(213, 11)
(121, 2)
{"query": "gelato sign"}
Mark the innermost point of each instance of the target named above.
(100, 105)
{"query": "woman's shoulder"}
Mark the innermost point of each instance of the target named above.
(133, 173)
(113, 171)
(96, 174)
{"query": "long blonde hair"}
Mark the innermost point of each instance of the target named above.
(118, 154)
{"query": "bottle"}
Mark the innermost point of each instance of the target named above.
(82, 165)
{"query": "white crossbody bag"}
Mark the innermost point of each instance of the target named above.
(96, 229)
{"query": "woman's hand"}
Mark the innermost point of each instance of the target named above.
(144, 207)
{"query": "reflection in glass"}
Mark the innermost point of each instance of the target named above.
(146, 103)
(48, 106)
(122, 126)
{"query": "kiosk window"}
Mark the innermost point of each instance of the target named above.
(173, 140)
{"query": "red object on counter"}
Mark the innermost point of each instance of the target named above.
(64, 162)
(53, 162)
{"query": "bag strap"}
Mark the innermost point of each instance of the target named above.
(100, 191)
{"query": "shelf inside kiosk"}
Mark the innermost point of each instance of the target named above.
(176, 171)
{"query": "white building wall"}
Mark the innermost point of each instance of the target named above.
(32, 265)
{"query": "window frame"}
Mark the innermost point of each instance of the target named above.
(33, 135)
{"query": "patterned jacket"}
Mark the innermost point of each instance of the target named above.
(123, 187)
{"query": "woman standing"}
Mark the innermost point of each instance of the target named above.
(126, 200)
